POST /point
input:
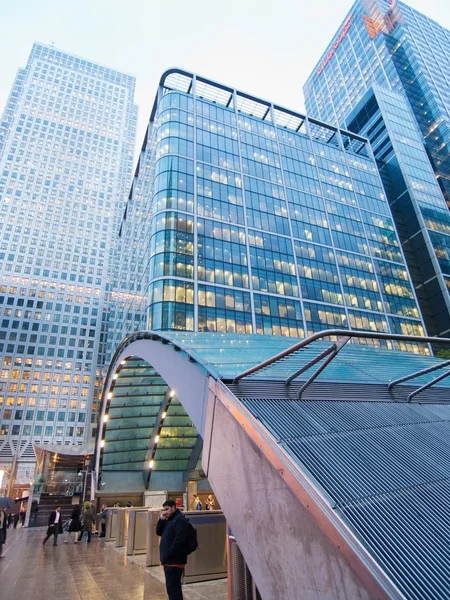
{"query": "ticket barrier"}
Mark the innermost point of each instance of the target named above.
(152, 540)
(121, 527)
(209, 561)
(111, 524)
(137, 530)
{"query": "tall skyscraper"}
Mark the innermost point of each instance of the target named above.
(389, 43)
(405, 56)
(246, 217)
(66, 152)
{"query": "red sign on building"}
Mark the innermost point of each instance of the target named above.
(333, 48)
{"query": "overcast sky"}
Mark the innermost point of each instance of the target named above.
(266, 48)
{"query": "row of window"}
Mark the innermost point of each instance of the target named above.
(30, 415)
(38, 430)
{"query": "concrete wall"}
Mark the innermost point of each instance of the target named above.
(287, 552)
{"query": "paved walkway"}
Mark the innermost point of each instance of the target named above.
(83, 571)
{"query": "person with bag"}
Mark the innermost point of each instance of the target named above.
(178, 539)
(54, 526)
(75, 524)
(88, 521)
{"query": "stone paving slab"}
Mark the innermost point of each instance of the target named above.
(31, 571)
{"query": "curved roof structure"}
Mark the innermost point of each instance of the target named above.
(370, 467)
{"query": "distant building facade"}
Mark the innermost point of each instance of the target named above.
(245, 217)
(405, 56)
(66, 150)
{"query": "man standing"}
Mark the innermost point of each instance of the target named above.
(102, 520)
(172, 526)
(54, 526)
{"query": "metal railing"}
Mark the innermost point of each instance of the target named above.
(344, 335)
(59, 488)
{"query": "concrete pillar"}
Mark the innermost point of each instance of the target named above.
(192, 491)
(46, 467)
(12, 477)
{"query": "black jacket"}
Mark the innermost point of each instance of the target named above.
(173, 546)
(75, 523)
(52, 517)
(4, 520)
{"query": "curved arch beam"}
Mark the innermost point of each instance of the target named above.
(173, 367)
(156, 428)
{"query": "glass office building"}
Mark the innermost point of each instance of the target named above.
(388, 45)
(66, 154)
(245, 217)
(391, 44)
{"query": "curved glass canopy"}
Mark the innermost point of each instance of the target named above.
(138, 431)
(147, 429)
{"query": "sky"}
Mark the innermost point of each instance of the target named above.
(265, 48)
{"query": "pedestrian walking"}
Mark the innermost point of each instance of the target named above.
(3, 528)
(75, 524)
(22, 516)
(173, 529)
(54, 526)
(16, 520)
(88, 521)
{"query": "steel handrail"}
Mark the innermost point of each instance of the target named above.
(372, 335)
(337, 348)
(446, 363)
(427, 385)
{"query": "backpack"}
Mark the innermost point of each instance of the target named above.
(191, 540)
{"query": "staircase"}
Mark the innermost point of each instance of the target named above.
(48, 503)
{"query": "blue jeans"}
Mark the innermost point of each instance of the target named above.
(89, 534)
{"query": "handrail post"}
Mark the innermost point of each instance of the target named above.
(419, 373)
(311, 363)
(369, 335)
(427, 385)
(338, 347)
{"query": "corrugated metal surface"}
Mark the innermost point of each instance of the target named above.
(241, 582)
(330, 391)
(386, 468)
(355, 363)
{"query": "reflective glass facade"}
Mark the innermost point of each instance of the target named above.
(248, 218)
(388, 45)
(419, 209)
(66, 150)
